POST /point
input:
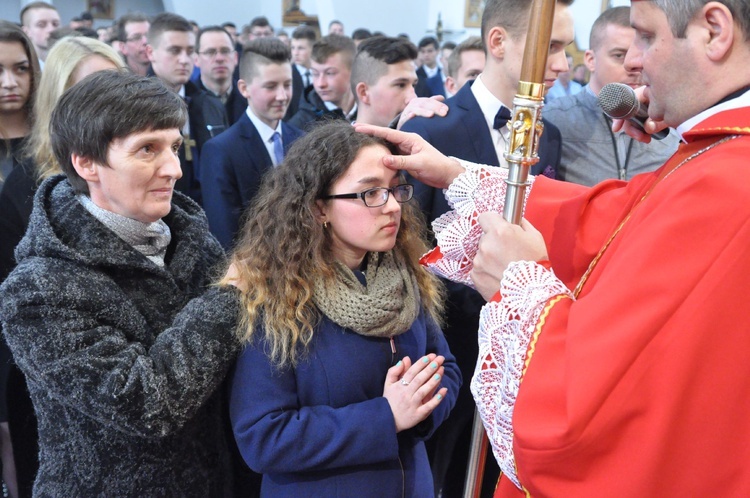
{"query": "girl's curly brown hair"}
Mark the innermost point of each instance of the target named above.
(283, 248)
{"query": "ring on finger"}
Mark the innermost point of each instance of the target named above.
(404, 382)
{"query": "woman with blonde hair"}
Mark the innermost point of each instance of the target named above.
(345, 371)
(69, 61)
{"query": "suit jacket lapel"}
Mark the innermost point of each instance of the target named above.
(252, 143)
(476, 128)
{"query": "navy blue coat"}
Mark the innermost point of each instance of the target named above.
(435, 84)
(324, 428)
(232, 166)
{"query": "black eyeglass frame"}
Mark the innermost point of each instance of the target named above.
(361, 195)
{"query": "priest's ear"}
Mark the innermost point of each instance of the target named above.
(721, 31)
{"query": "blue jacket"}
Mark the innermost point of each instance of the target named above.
(232, 166)
(324, 428)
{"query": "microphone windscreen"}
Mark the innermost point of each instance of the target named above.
(618, 101)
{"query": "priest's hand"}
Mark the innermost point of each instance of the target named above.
(634, 131)
(423, 161)
(501, 244)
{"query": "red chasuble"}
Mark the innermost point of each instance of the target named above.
(640, 387)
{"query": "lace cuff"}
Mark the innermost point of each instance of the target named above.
(506, 329)
(478, 190)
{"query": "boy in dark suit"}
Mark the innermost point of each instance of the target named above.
(303, 39)
(234, 162)
(217, 58)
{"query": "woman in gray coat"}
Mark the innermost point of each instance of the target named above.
(106, 313)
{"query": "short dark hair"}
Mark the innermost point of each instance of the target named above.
(388, 49)
(228, 24)
(332, 45)
(304, 33)
(513, 15)
(105, 106)
(166, 21)
(335, 21)
(261, 21)
(211, 29)
(36, 5)
(132, 17)
(428, 40)
(262, 51)
(448, 45)
(619, 16)
(361, 34)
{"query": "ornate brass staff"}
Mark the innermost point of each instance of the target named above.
(526, 128)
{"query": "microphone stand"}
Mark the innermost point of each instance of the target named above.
(526, 129)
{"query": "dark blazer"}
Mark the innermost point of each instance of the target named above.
(298, 88)
(232, 166)
(421, 88)
(207, 119)
(463, 133)
(435, 84)
(235, 105)
(312, 110)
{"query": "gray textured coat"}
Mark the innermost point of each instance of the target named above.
(123, 358)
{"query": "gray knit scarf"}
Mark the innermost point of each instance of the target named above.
(150, 239)
(386, 307)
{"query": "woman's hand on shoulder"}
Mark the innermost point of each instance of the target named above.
(413, 390)
(232, 277)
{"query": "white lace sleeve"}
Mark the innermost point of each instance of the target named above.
(478, 190)
(506, 329)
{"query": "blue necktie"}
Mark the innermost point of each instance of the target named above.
(501, 118)
(278, 149)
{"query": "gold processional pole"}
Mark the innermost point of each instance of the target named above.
(526, 128)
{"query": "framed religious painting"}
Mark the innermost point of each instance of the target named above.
(473, 13)
(101, 9)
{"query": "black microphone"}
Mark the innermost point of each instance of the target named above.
(618, 101)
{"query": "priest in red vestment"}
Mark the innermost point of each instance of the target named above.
(613, 346)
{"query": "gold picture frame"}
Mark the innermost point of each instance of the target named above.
(101, 9)
(473, 13)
